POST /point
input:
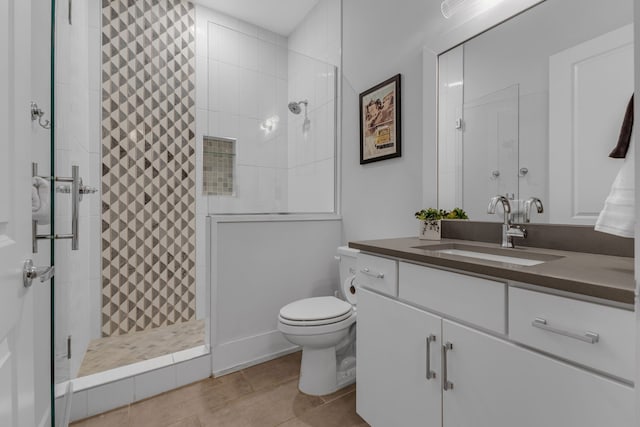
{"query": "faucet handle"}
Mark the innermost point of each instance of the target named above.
(491, 209)
(527, 207)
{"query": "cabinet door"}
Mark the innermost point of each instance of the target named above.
(392, 384)
(498, 384)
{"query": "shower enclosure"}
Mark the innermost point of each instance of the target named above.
(172, 111)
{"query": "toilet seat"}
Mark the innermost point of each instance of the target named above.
(315, 311)
(308, 330)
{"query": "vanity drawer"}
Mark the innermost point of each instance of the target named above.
(377, 273)
(472, 299)
(590, 334)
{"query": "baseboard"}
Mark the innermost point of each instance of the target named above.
(236, 355)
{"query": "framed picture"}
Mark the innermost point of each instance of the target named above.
(380, 126)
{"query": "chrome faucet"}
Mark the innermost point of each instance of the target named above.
(509, 231)
(531, 201)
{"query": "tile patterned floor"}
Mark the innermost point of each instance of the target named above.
(264, 395)
(113, 352)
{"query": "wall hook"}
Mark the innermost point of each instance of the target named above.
(37, 114)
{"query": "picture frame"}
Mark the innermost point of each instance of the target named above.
(380, 121)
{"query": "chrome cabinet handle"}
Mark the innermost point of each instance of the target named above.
(430, 374)
(30, 272)
(369, 273)
(446, 384)
(588, 337)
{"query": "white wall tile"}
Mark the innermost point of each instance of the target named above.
(214, 86)
(323, 133)
(246, 49)
(79, 409)
(94, 11)
(110, 396)
(268, 36)
(222, 19)
(95, 126)
(267, 88)
(282, 65)
(247, 89)
(228, 89)
(202, 82)
(154, 382)
(95, 308)
(202, 282)
(193, 370)
(202, 129)
(228, 41)
(94, 248)
(268, 58)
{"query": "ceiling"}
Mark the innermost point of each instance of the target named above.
(279, 16)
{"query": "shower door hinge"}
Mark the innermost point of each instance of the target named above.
(69, 347)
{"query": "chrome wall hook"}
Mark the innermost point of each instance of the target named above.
(37, 114)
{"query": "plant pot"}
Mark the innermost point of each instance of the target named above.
(430, 230)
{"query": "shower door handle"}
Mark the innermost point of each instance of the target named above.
(77, 190)
(30, 272)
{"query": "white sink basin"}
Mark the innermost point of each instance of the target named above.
(506, 256)
(492, 257)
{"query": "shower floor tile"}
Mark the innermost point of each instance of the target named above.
(113, 352)
(265, 395)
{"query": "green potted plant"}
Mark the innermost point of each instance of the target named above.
(431, 221)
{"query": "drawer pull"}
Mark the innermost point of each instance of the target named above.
(430, 374)
(588, 337)
(446, 384)
(369, 273)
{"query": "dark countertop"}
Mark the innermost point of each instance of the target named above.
(600, 276)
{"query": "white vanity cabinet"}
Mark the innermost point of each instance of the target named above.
(392, 366)
(499, 384)
(492, 379)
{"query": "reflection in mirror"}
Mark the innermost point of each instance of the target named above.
(533, 107)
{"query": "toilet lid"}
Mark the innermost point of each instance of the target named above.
(318, 308)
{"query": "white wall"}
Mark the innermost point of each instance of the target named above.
(257, 267)
(379, 199)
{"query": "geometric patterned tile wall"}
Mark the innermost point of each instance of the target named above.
(148, 164)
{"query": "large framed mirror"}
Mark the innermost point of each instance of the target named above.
(533, 107)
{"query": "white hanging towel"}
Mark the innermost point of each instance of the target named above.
(40, 193)
(618, 215)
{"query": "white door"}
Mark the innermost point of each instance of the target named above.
(589, 87)
(393, 388)
(499, 384)
(16, 301)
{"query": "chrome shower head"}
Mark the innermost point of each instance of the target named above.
(294, 107)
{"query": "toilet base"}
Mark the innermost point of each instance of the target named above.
(318, 374)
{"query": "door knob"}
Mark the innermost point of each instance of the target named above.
(30, 272)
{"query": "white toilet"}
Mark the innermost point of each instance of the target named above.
(325, 329)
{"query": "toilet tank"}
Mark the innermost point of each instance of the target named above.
(347, 261)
